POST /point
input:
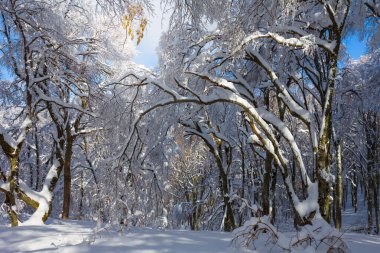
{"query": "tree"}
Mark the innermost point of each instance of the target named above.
(209, 57)
(221, 149)
(361, 91)
(315, 53)
(55, 53)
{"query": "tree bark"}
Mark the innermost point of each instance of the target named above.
(369, 206)
(67, 179)
(338, 191)
(266, 184)
(273, 190)
(354, 190)
(13, 185)
(376, 202)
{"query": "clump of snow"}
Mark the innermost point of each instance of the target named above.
(43, 198)
(328, 177)
(7, 138)
(310, 204)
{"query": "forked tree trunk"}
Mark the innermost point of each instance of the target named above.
(223, 159)
(229, 221)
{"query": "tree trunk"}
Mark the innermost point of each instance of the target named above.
(354, 190)
(38, 164)
(323, 163)
(268, 167)
(218, 152)
(273, 190)
(372, 142)
(338, 188)
(12, 154)
(242, 181)
(13, 184)
(229, 221)
(376, 202)
(81, 191)
(323, 154)
(10, 203)
(67, 178)
(369, 205)
(266, 184)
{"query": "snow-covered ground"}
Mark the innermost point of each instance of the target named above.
(74, 237)
(71, 236)
(355, 222)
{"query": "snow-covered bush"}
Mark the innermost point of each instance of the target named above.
(317, 237)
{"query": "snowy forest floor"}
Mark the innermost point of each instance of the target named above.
(79, 236)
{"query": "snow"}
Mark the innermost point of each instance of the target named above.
(284, 95)
(5, 186)
(253, 139)
(310, 204)
(7, 138)
(281, 127)
(24, 125)
(76, 236)
(322, 43)
(269, 239)
(327, 176)
(61, 103)
(43, 197)
(81, 236)
(363, 243)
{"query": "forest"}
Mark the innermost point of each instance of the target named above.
(256, 121)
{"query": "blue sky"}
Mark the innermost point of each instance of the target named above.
(157, 24)
(147, 49)
(355, 47)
